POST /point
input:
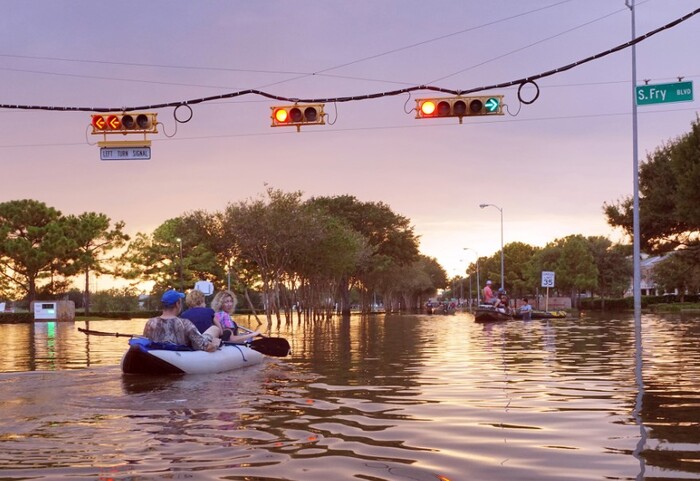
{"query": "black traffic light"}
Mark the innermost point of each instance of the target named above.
(297, 115)
(430, 108)
(131, 123)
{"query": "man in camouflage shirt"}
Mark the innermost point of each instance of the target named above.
(169, 328)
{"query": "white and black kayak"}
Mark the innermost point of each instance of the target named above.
(146, 357)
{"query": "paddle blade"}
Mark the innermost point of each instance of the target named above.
(272, 346)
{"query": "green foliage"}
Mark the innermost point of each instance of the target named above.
(614, 266)
(678, 271)
(156, 257)
(518, 258)
(572, 260)
(388, 234)
(576, 269)
(669, 195)
(93, 239)
(116, 300)
(665, 303)
(35, 243)
(413, 283)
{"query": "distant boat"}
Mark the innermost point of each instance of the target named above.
(485, 313)
(537, 314)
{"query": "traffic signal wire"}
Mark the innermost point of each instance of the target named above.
(519, 82)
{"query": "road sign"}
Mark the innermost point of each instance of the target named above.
(664, 93)
(125, 153)
(547, 279)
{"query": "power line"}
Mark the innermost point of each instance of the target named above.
(528, 46)
(521, 82)
(322, 72)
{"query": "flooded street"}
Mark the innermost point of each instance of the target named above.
(411, 397)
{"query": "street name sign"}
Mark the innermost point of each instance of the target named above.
(664, 93)
(125, 153)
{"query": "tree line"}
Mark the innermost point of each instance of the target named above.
(294, 254)
(592, 265)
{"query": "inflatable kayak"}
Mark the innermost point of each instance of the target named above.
(146, 357)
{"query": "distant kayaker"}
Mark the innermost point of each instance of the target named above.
(200, 315)
(526, 310)
(224, 304)
(169, 328)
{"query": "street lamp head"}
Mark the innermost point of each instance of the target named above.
(483, 205)
(178, 239)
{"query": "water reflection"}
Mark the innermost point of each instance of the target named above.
(394, 397)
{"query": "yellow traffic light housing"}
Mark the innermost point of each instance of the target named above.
(297, 115)
(125, 123)
(436, 107)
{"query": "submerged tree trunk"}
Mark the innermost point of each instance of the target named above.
(87, 291)
(344, 294)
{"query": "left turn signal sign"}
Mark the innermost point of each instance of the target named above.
(131, 123)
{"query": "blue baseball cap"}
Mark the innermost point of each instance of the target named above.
(171, 297)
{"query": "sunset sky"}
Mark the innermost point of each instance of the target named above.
(550, 165)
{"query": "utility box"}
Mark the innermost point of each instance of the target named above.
(54, 310)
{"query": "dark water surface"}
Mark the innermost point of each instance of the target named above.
(380, 398)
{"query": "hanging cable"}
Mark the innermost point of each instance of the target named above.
(518, 82)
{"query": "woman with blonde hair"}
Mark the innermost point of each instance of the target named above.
(223, 304)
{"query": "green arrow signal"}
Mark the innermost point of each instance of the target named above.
(492, 104)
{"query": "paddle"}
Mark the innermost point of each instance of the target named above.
(270, 346)
(101, 333)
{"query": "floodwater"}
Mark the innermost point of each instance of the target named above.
(402, 398)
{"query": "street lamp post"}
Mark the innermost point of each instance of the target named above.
(182, 280)
(471, 296)
(478, 284)
(503, 279)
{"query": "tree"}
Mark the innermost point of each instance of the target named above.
(572, 261)
(678, 272)
(93, 238)
(518, 257)
(155, 257)
(34, 242)
(576, 269)
(669, 195)
(267, 231)
(389, 236)
(614, 266)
